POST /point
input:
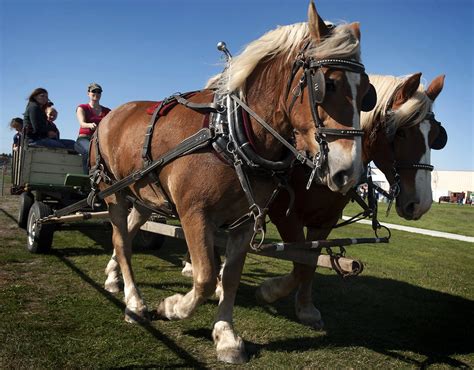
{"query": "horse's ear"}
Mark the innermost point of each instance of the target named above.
(407, 89)
(435, 87)
(355, 29)
(317, 27)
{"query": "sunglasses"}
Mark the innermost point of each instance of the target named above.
(96, 91)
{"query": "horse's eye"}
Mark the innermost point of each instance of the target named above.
(330, 85)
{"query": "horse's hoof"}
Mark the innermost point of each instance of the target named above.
(187, 270)
(136, 316)
(230, 347)
(166, 309)
(310, 316)
(314, 324)
(112, 287)
(233, 356)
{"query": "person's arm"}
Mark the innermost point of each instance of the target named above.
(81, 117)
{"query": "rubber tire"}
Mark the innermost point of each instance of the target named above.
(148, 240)
(26, 201)
(39, 237)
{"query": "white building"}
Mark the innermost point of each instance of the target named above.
(442, 182)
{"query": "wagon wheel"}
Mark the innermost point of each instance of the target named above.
(148, 240)
(39, 237)
(26, 201)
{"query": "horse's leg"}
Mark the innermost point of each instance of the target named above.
(137, 217)
(135, 309)
(188, 267)
(112, 283)
(306, 312)
(278, 287)
(230, 347)
(200, 239)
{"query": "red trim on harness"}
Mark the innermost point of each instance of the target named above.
(248, 129)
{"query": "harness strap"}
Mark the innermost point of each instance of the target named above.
(149, 133)
(415, 166)
(203, 108)
(197, 141)
(339, 132)
(299, 156)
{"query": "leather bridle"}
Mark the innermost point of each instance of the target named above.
(424, 166)
(313, 78)
(439, 143)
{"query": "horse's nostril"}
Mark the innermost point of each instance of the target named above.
(410, 209)
(340, 178)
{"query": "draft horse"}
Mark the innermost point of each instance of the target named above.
(399, 135)
(280, 81)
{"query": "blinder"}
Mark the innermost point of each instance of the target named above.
(370, 99)
(442, 138)
(318, 84)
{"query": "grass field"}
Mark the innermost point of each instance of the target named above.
(412, 307)
(447, 217)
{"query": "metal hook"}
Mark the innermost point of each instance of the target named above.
(221, 46)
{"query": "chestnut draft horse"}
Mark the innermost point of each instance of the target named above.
(399, 134)
(282, 77)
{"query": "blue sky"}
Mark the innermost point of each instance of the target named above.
(147, 50)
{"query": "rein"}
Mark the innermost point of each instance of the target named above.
(370, 209)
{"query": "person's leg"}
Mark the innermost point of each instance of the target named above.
(68, 144)
(49, 143)
(82, 147)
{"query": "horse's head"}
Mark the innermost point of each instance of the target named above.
(307, 77)
(412, 132)
(328, 119)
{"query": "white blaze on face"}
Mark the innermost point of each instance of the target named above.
(423, 177)
(339, 158)
(354, 82)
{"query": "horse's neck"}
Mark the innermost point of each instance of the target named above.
(369, 142)
(377, 148)
(264, 94)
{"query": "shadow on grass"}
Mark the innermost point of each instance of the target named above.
(171, 344)
(11, 217)
(384, 315)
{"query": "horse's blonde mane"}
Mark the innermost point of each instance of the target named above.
(418, 105)
(341, 43)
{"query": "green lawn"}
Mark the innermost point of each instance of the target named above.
(447, 217)
(412, 307)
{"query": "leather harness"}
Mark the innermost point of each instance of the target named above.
(227, 138)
